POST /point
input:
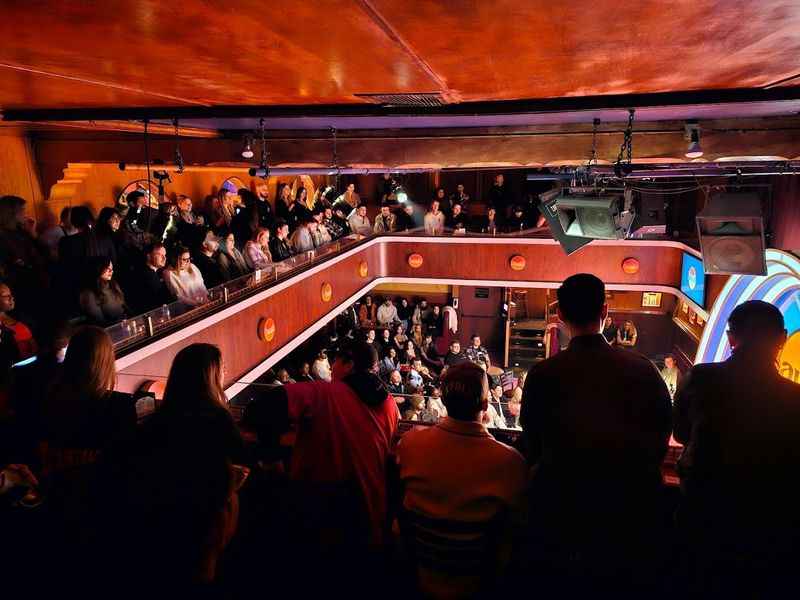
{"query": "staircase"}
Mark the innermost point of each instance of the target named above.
(526, 343)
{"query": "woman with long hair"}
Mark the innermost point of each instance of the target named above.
(82, 410)
(194, 407)
(229, 258)
(282, 200)
(184, 280)
(627, 335)
(256, 250)
(101, 300)
(223, 208)
(417, 336)
(103, 238)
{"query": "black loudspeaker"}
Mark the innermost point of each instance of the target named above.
(731, 232)
(550, 212)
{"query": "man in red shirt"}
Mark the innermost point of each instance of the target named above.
(345, 430)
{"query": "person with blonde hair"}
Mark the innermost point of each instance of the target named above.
(184, 280)
(256, 250)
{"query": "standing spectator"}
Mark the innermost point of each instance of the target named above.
(191, 226)
(498, 195)
(263, 207)
(435, 321)
(184, 280)
(350, 196)
(434, 220)
(279, 244)
(296, 212)
(386, 221)
(670, 374)
(460, 197)
(738, 421)
(421, 312)
(404, 312)
(359, 221)
(400, 340)
(599, 442)
(256, 250)
(488, 223)
(230, 260)
(206, 261)
(417, 336)
(102, 301)
(223, 209)
(148, 290)
(52, 235)
(367, 313)
(473, 490)
(303, 236)
(440, 196)
(387, 313)
(102, 240)
(353, 421)
(321, 369)
(627, 336)
(283, 201)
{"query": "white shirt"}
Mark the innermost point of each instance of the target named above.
(434, 223)
(386, 314)
(186, 285)
(321, 369)
(359, 224)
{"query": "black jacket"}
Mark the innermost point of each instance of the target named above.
(279, 249)
(209, 269)
(148, 290)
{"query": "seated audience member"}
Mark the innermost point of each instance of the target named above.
(386, 341)
(409, 352)
(435, 403)
(82, 410)
(51, 236)
(435, 321)
(359, 221)
(302, 239)
(304, 374)
(9, 325)
(477, 353)
(627, 335)
(336, 228)
(165, 227)
(103, 240)
(321, 233)
(283, 376)
(256, 250)
(367, 313)
(420, 372)
(72, 254)
(598, 439)
(429, 354)
(387, 314)
(386, 221)
(340, 213)
(102, 301)
(670, 374)
(473, 490)
(396, 385)
(184, 280)
(488, 223)
(738, 421)
(195, 405)
(279, 244)
(458, 220)
(406, 219)
(454, 354)
(610, 330)
(230, 259)
(498, 401)
(321, 369)
(404, 312)
(388, 363)
(369, 337)
(138, 220)
(417, 336)
(245, 221)
(421, 313)
(206, 261)
(517, 221)
(434, 220)
(346, 434)
(191, 227)
(413, 408)
(148, 288)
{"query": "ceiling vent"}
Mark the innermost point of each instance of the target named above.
(415, 100)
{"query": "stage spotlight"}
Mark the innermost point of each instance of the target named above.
(401, 195)
(247, 151)
(693, 135)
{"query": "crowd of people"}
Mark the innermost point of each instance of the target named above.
(445, 511)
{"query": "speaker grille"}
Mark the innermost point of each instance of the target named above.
(418, 100)
(733, 255)
(597, 223)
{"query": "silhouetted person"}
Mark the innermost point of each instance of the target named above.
(739, 420)
(597, 423)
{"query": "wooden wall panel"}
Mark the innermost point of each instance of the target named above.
(19, 174)
(547, 262)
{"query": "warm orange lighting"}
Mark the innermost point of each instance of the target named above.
(266, 329)
(326, 292)
(630, 266)
(415, 261)
(517, 262)
(363, 268)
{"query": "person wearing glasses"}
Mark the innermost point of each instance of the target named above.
(184, 279)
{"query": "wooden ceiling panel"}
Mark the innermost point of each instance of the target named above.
(506, 49)
(215, 52)
(133, 53)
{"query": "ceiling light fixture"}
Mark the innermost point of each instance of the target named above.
(247, 151)
(693, 135)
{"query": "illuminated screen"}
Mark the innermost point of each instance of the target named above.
(693, 279)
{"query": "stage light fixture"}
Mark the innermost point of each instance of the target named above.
(693, 135)
(247, 151)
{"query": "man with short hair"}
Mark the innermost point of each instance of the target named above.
(396, 386)
(387, 313)
(670, 374)
(359, 221)
(406, 219)
(458, 220)
(454, 354)
(477, 353)
(472, 481)
(336, 227)
(302, 239)
(148, 287)
(205, 259)
(278, 243)
(434, 219)
(739, 421)
(264, 208)
(345, 435)
(597, 421)
(385, 222)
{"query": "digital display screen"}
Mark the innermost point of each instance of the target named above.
(693, 279)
